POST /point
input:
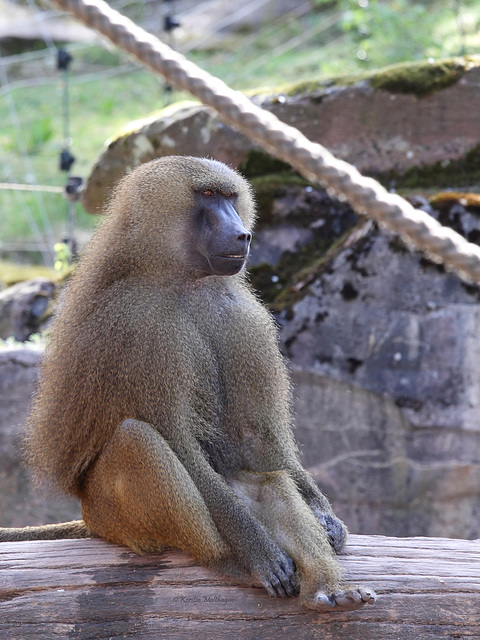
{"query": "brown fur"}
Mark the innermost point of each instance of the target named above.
(164, 403)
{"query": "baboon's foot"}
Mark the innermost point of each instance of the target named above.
(343, 600)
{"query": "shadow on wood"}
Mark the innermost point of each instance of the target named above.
(86, 589)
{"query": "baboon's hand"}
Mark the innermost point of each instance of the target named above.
(276, 573)
(336, 530)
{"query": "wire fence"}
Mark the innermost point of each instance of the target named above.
(31, 185)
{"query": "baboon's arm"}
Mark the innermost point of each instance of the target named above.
(238, 527)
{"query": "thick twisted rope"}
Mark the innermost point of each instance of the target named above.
(316, 163)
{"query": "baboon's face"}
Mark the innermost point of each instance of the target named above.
(220, 241)
(190, 217)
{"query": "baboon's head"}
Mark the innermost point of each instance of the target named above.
(194, 214)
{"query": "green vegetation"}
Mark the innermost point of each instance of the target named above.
(98, 109)
(33, 341)
(418, 78)
(388, 32)
(11, 273)
(422, 78)
(333, 38)
(461, 173)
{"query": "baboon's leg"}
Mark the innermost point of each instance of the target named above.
(139, 494)
(275, 501)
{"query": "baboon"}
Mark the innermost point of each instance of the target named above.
(164, 401)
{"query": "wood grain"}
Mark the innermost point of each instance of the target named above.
(428, 588)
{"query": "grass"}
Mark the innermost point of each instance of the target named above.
(107, 91)
(11, 273)
(98, 109)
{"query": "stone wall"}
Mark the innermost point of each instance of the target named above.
(386, 363)
(21, 501)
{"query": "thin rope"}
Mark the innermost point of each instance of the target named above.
(366, 196)
(12, 186)
(243, 11)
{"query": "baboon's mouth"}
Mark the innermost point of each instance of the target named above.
(235, 256)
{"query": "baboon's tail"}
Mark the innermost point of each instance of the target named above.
(73, 529)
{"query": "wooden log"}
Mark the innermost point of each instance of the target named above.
(86, 589)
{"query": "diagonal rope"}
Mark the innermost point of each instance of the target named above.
(316, 163)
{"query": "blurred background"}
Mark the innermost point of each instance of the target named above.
(74, 104)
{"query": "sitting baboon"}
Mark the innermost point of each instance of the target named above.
(164, 402)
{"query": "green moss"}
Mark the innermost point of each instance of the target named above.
(134, 126)
(417, 78)
(444, 174)
(316, 88)
(270, 187)
(287, 282)
(11, 273)
(283, 283)
(422, 78)
(445, 199)
(278, 180)
(260, 163)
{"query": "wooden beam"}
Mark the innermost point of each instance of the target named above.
(86, 589)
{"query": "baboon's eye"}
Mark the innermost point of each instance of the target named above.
(228, 195)
(208, 192)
